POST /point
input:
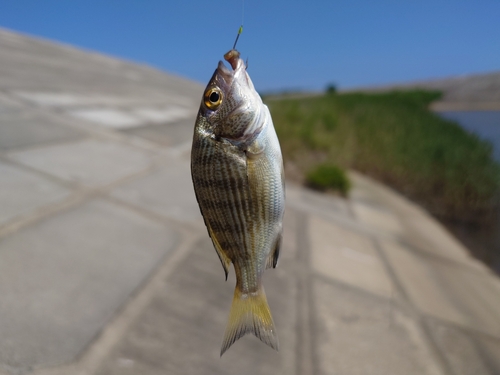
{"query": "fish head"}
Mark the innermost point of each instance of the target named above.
(230, 105)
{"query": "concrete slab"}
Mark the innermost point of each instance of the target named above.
(181, 331)
(347, 256)
(172, 134)
(315, 203)
(163, 115)
(465, 353)
(32, 65)
(379, 219)
(465, 296)
(290, 229)
(363, 190)
(167, 191)
(325, 202)
(476, 294)
(427, 234)
(109, 117)
(62, 279)
(374, 194)
(90, 163)
(33, 130)
(420, 229)
(23, 192)
(422, 285)
(8, 106)
(358, 333)
(490, 350)
(51, 99)
(71, 99)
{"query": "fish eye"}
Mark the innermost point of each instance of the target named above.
(213, 98)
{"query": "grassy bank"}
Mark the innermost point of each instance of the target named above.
(394, 138)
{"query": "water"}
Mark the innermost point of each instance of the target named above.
(483, 241)
(486, 124)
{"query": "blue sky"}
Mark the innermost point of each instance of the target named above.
(290, 44)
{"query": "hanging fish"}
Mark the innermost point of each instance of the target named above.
(237, 172)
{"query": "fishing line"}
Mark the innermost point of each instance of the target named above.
(240, 30)
(242, 12)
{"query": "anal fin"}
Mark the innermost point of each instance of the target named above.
(226, 262)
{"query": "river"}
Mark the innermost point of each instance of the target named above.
(484, 242)
(486, 124)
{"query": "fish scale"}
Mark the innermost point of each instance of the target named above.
(212, 168)
(237, 173)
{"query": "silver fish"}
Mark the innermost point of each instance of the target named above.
(237, 172)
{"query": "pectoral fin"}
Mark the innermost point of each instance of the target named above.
(272, 259)
(226, 262)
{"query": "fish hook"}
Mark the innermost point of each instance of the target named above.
(240, 30)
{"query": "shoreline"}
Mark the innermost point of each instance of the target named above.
(444, 106)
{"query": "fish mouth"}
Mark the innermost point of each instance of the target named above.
(233, 58)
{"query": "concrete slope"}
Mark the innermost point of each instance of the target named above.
(472, 92)
(106, 267)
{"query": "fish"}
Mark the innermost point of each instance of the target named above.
(238, 178)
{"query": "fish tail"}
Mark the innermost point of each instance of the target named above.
(250, 314)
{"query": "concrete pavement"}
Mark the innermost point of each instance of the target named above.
(106, 267)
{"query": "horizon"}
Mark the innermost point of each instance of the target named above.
(351, 45)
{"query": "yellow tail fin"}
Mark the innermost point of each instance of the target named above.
(250, 314)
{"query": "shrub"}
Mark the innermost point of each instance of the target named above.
(328, 177)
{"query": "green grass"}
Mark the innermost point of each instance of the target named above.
(396, 139)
